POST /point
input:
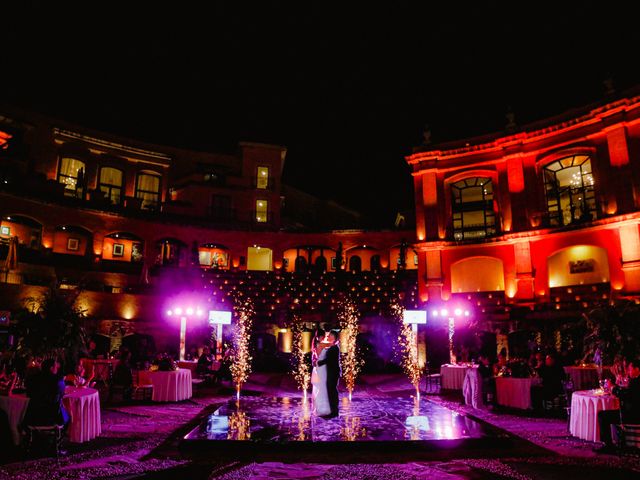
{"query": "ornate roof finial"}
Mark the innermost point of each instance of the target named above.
(511, 119)
(426, 135)
(609, 89)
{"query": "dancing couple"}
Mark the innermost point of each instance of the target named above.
(326, 373)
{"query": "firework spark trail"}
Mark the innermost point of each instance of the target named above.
(301, 369)
(409, 346)
(351, 360)
(241, 365)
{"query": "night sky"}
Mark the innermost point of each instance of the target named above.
(347, 88)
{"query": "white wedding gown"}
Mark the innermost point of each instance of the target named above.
(319, 380)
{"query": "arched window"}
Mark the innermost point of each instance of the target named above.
(71, 174)
(568, 186)
(148, 189)
(111, 184)
(472, 208)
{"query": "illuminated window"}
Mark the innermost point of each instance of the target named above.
(71, 175)
(262, 212)
(148, 189)
(472, 208)
(111, 184)
(262, 180)
(569, 189)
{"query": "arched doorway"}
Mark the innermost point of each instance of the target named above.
(300, 265)
(122, 247)
(578, 265)
(321, 264)
(259, 259)
(355, 263)
(28, 230)
(170, 252)
(213, 255)
(465, 278)
(375, 263)
(72, 240)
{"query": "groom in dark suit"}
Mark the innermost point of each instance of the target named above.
(332, 361)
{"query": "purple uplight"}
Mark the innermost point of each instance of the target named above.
(189, 311)
(169, 313)
(178, 311)
(200, 312)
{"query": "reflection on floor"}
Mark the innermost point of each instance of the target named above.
(366, 419)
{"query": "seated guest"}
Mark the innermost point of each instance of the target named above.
(537, 360)
(92, 351)
(8, 379)
(45, 390)
(205, 361)
(629, 407)
(192, 354)
(485, 369)
(79, 379)
(123, 375)
(552, 375)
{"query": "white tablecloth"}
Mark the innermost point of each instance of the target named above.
(515, 392)
(15, 407)
(585, 406)
(583, 378)
(452, 376)
(83, 404)
(472, 388)
(171, 386)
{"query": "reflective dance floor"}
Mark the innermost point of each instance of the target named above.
(367, 425)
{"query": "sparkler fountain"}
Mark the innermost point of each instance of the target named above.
(301, 369)
(408, 342)
(350, 356)
(241, 365)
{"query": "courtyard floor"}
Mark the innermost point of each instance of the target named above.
(143, 441)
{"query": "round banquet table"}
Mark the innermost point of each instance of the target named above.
(452, 376)
(585, 406)
(83, 404)
(189, 364)
(171, 386)
(583, 377)
(515, 392)
(15, 406)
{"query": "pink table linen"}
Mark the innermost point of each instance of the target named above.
(15, 407)
(83, 404)
(188, 364)
(171, 386)
(515, 392)
(585, 406)
(452, 376)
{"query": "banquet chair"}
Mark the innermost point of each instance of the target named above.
(432, 379)
(568, 388)
(142, 387)
(52, 433)
(628, 437)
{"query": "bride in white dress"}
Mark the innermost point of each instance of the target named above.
(319, 380)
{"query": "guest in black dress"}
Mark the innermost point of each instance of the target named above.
(45, 390)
